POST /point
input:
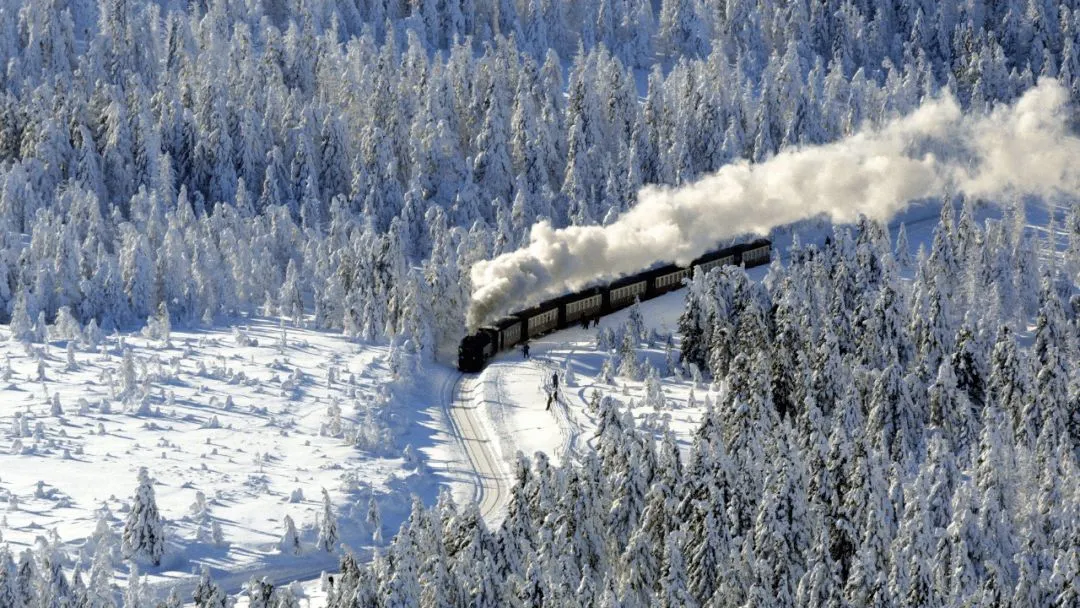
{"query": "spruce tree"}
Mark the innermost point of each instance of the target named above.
(144, 531)
(7, 578)
(328, 526)
(290, 539)
(207, 593)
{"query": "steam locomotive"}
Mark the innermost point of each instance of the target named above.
(561, 312)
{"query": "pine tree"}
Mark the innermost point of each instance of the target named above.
(951, 411)
(910, 572)
(290, 539)
(674, 588)
(55, 589)
(781, 535)
(290, 300)
(1049, 405)
(903, 250)
(639, 572)
(26, 580)
(7, 578)
(207, 593)
(1006, 386)
(260, 593)
(328, 526)
(374, 521)
(691, 324)
(144, 533)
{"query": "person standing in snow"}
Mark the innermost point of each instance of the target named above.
(525, 350)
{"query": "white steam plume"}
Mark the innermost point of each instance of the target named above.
(1022, 148)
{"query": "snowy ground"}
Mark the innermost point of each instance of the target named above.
(257, 425)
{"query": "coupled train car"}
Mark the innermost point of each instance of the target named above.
(594, 302)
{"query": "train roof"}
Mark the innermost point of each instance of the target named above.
(502, 323)
(552, 302)
(627, 280)
(708, 257)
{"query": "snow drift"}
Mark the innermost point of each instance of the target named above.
(1023, 148)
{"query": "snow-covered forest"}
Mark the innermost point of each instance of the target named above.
(876, 442)
(891, 428)
(353, 159)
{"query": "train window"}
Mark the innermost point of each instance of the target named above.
(625, 293)
(543, 321)
(758, 254)
(671, 278)
(724, 261)
(512, 334)
(585, 304)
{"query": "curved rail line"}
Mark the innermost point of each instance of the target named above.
(492, 486)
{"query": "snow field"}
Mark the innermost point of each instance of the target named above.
(258, 419)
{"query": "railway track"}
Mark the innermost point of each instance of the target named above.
(492, 485)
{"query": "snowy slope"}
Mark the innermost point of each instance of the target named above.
(246, 416)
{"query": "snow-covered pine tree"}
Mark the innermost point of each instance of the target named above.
(374, 521)
(7, 578)
(144, 530)
(328, 525)
(207, 593)
(903, 250)
(260, 593)
(290, 539)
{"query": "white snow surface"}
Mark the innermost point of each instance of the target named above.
(266, 454)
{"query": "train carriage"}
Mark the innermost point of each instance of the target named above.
(509, 332)
(540, 320)
(584, 305)
(669, 278)
(757, 254)
(563, 311)
(623, 292)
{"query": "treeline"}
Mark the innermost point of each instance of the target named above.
(353, 159)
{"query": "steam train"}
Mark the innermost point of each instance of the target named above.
(561, 312)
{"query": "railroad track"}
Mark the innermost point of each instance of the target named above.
(492, 484)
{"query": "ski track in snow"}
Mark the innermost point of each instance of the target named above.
(569, 428)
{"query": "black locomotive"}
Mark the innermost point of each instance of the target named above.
(594, 302)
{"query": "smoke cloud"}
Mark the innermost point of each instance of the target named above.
(1023, 148)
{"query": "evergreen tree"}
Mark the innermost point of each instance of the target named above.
(1050, 391)
(328, 525)
(1006, 386)
(144, 532)
(903, 250)
(290, 539)
(7, 579)
(207, 593)
(26, 576)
